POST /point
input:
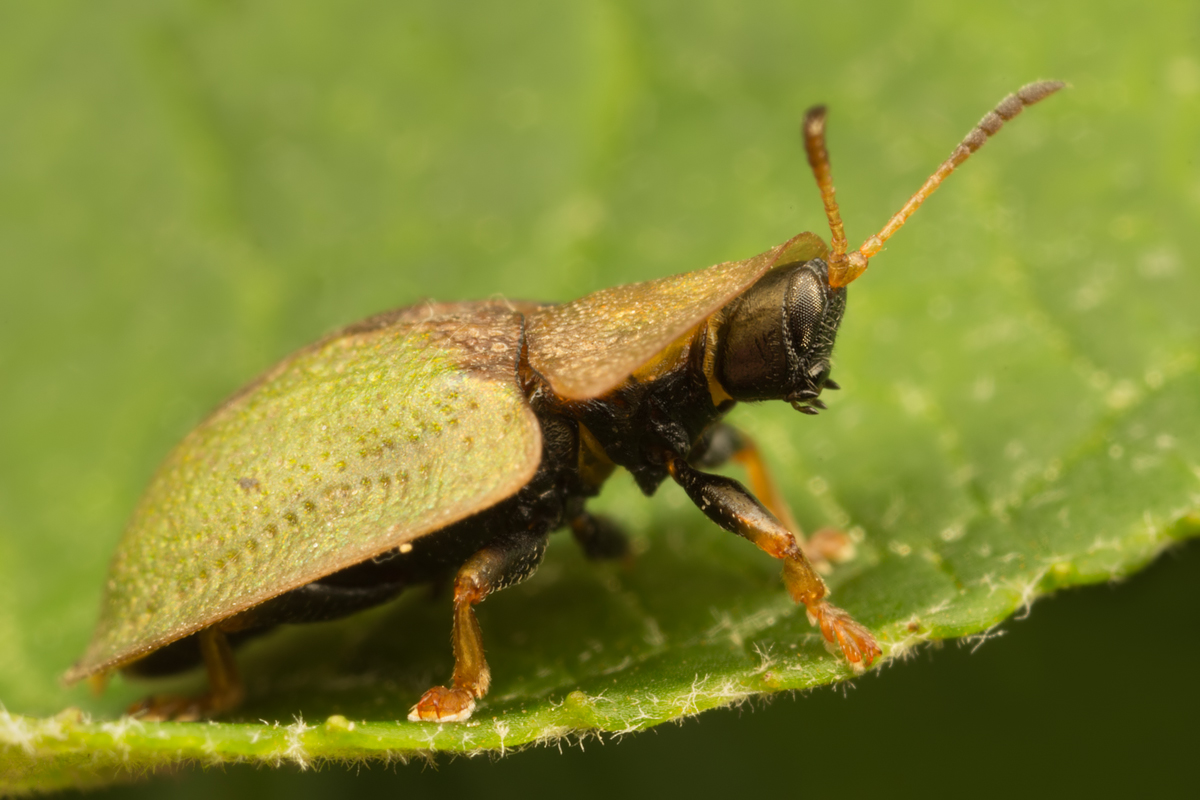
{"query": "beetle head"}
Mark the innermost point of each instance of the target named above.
(775, 341)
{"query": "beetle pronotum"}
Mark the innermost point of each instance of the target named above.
(453, 438)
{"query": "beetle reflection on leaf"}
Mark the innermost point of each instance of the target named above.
(452, 439)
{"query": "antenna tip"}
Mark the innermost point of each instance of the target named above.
(1032, 93)
(814, 122)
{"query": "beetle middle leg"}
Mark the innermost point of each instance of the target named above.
(727, 503)
(507, 560)
(598, 536)
(225, 690)
(722, 443)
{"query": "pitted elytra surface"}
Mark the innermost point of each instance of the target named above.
(290, 481)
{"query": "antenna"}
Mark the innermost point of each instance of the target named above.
(845, 267)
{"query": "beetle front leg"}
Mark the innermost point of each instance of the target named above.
(506, 561)
(225, 690)
(724, 443)
(727, 503)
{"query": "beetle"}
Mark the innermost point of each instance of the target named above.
(452, 438)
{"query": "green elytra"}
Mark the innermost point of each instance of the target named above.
(414, 420)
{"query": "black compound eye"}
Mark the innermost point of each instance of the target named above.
(805, 309)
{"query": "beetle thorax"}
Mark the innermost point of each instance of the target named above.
(775, 341)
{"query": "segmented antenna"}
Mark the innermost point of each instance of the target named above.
(845, 267)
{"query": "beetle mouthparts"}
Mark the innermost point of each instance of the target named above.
(807, 402)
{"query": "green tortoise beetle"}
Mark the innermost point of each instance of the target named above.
(451, 439)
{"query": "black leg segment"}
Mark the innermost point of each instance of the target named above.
(599, 537)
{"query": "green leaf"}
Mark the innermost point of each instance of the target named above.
(192, 190)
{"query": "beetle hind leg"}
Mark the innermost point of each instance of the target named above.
(225, 689)
(506, 561)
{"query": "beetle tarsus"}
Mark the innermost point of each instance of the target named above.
(225, 687)
(172, 708)
(839, 628)
(441, 704)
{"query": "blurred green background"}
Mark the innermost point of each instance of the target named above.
(189, 190)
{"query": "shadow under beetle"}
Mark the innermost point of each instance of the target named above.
(453, 438)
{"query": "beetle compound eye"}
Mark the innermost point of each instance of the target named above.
(805, 309)
(813, 313)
